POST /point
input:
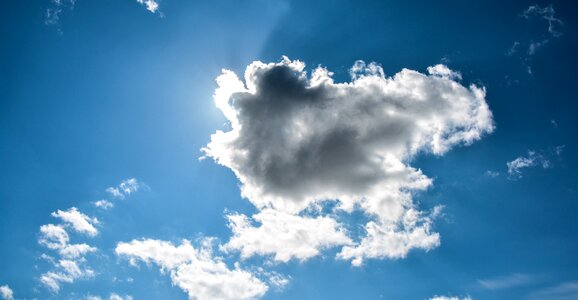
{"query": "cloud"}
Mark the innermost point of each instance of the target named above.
(545, 13)
(151, 5)
(492, 174)
(533, 159)
(104, 204)
(503, 282)
(562, 291)
(70, 264)
(6, 293)
(125, 188)
(394, 240)
(295, 236)
(550, 27)
(200, 274)
(79, 221)
(297, 141)
(53, 12)
(54, 237)
(115, 296)
(450, 298)
(68, 271)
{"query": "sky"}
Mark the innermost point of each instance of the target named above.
(255, 149)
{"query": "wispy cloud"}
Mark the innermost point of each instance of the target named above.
(551, 27)
(562, 291)
(508, 281)
(533, 159)
(125, 188)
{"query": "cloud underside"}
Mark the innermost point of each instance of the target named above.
(298, 141)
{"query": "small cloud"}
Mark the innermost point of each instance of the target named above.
(104, 204)
(79, 221)
(549, 27)
(151, 5)
(492, 174)
(533, 159)
(504, 282)
(125, 188)
(6, 292)
(554, 124)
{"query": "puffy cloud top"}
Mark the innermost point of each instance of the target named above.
(299, 139)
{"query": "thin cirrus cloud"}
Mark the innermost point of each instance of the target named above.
(195, 270)
(297, 141)
(541, 159)
(508, 281)
(546, 27)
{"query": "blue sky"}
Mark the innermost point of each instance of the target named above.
(369, 150)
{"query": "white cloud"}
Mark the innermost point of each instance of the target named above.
(391, 241)
(125, 188)
(67, 271)
(6, 293)
(79, 221)
(104, 204)
(70, 265)
(508, 281)
(54, 237)
(115, 296)
(450, 298)
(533, 159)
(196, 271)
(299, 140)
(151, 5)
(294, 236)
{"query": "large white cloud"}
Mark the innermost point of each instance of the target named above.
(200, 274)
(297, 140)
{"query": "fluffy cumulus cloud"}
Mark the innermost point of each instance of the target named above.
(79, 221)
(6, 293)
(195, 270)
(296, 141)
(69, 265)
(295, 236)
(151, 5)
